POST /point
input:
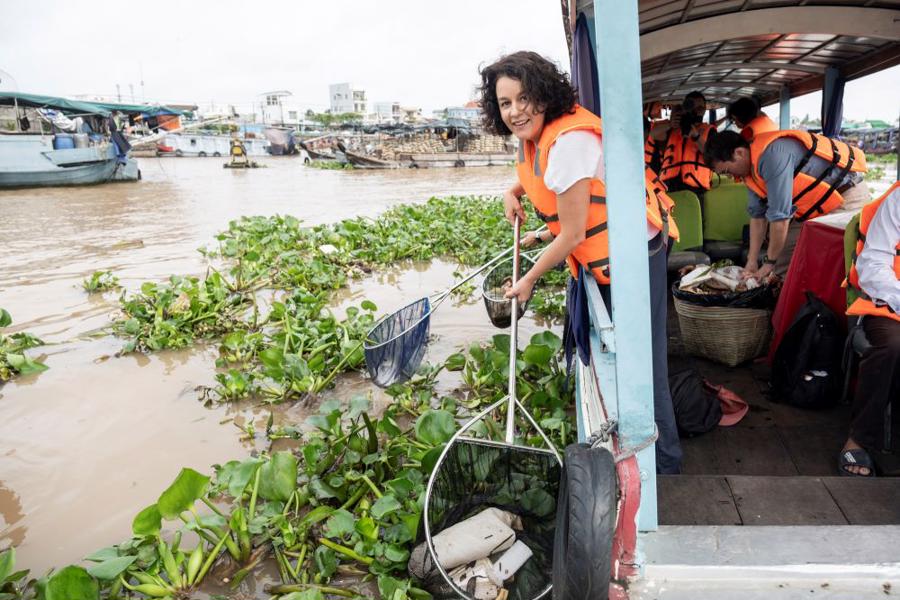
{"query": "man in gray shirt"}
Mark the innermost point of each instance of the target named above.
(782, 165)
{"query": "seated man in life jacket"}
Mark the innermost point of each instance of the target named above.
(683, 166)
(746, 115)
(875, 275)
(791, 176)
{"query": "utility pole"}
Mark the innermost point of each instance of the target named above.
(141, 68)
(131, 87)
(118, 93)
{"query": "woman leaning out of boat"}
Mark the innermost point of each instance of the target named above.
(560, 167)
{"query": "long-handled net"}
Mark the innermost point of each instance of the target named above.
(395, 346)
(476, 471)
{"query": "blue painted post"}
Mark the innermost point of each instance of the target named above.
(619, 66)
(784, 108)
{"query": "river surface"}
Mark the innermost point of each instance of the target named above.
(88, 443)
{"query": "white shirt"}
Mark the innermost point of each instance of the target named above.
(875, 265)
(578, 155)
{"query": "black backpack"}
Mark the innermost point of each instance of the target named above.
(697, 407)
(806, 371)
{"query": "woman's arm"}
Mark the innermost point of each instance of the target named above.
(573, 207)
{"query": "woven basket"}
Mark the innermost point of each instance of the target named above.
(726, 335)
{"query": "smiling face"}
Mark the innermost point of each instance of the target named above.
(519, 114)
(738, 166)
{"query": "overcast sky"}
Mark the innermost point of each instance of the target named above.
(417, 52)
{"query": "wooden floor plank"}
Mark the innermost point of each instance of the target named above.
(738, 450)
(873, 501)
(785, 501)
(686, 500)
(814, 449)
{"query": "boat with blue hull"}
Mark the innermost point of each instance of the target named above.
(56, 141)
(31, 161)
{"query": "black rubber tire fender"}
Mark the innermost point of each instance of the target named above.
(179, 153)
(217, 154)
(585, 524)
(201, 153)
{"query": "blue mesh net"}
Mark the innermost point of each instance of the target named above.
(395, 346)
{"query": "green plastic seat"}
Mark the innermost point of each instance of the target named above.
(689, 219)
(725, 213)
(851, 236)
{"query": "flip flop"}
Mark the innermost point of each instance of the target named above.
(857, 457)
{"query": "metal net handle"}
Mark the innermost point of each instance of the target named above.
(441, 296)
(513, 339)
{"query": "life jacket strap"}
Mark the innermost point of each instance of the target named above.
(835, 159)
(809, 154)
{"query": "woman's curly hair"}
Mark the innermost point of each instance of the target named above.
(546, 86)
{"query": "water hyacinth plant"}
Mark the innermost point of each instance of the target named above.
(301, 267)
(337, 517)
(100, 281)
(13, 360)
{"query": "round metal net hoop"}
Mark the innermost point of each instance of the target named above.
(495, 285)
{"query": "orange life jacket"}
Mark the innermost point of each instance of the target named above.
(864, 305)
(759, 124)
(682, 159)
(593, 252)
(812, 196)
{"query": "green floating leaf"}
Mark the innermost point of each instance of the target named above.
(242, 475)
(501, 342)
(8, 558)
(103, 554)
(547, 338)
(5, 321)
(368, 305)
(110, 569)
(368, 528)
(455, 362)
(339, 524)
(326, 561)
(72, 583)
(536, 354)
(435, 427)
(187, 488)
(358, 406)
(385, 506)
(147, 522)
(311, 594)
(278, 478)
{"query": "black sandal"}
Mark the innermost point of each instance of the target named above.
(857, 457)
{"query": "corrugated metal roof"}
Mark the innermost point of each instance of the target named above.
(732, 48)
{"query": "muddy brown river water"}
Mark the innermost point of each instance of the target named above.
(88, 443)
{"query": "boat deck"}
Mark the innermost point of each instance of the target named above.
(778, 466)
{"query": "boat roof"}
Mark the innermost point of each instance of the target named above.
(84, 107)
(729, 49)
(149, 110)
(62, 104)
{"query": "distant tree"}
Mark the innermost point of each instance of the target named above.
(327, 119)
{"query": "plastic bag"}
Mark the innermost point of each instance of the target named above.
(761, 297)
